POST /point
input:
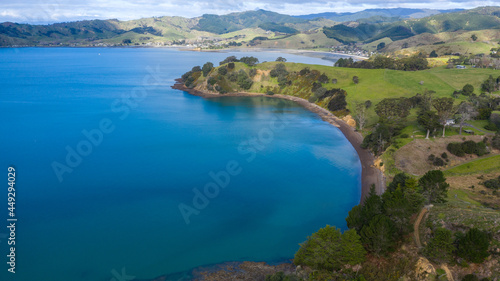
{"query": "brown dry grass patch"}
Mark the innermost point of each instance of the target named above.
(412, 158)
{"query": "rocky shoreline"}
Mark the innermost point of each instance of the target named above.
(369, 173)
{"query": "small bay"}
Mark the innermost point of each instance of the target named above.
(144, 153)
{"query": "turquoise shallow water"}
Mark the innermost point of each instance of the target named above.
(118, 208)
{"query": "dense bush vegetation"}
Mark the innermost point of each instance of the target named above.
(329, 249)
(467, 147)
(492, 183)
(434, 186)
(473, 245)
(408, 64)
(440, 248)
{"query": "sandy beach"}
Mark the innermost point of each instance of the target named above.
(369, 174)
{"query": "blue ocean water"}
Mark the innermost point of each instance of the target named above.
(110, 164)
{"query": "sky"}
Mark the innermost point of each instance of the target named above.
(50, 11)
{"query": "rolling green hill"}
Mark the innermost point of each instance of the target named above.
(237, 21)
(470, 20)
(235, 27)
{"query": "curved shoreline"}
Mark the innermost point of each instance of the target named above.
(369, 173)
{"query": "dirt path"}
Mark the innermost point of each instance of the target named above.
(416, 225)
(449, 276)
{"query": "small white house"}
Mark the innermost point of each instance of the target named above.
(450, 122)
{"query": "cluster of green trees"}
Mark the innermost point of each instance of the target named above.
(279, 71)
(491, 84)
(433, 114)
(250, 61)
(329, 249)
(413, 63)
(376, 227)
(467, 147)
(438, 161)
(471, 246)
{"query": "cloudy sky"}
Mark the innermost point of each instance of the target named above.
(49, 11)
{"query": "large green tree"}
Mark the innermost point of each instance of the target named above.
(328, 249)
(445, 110)
(473, 246)
(379, 235)
(360, 114)
(440, 248)
(207, 67)
(399, 210)
(465, 112)
(428, 120)
(434, 186)
(393, 108)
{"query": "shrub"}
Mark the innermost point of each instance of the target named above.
(438, 162)
(473, 246)
(469, 147)
(440, 248)
(320, 92)
(252, 72)
(230, 65)
(468, 90)
(492, 184)
(207, 67)
(270, 93)
(278, 70)
(491, 126)
(444, 155)
(355, 79)
(495, 141)
(338, 101)
(323, 78)
(456, 149)
(470, 277)
(368, 104)
(304, 71)
(250, 61)
(212, 81)
(220, 89)
(404, 136)
(328, 249)
(434, 186)
(431, 157)
(222, 70)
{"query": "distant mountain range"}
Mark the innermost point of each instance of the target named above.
(365, 26)
(388, 13)
(469, 20)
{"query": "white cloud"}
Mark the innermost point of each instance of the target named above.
(40, 11)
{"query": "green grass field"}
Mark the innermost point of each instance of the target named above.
(377, 84)
(482, 165)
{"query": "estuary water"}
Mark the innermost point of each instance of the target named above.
(119, 176)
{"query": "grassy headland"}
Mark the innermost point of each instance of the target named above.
(399, 108)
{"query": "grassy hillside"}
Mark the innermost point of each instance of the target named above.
(312, 39)
(374, 84)
(244, 26)
(236, 21)
(395, 12)
(470, 20)
(448, 42)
